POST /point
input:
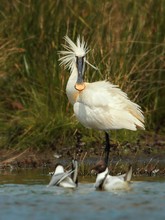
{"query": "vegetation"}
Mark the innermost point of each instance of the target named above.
(127, 45)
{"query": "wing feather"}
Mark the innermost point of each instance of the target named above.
(107, 107)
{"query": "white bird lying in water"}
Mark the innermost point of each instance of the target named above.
(98, 105)
(68, 179)
(106, 182)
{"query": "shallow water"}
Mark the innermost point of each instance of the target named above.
(24, 195)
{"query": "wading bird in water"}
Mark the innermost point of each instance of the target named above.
(97, 105)
(68, 179)
(107, 182)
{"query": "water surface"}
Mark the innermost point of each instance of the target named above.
(24, 195)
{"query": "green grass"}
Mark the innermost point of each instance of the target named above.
(127, 45)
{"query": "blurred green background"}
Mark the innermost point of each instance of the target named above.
(127, 42)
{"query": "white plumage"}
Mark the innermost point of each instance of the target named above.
(68, 179)
(98, 105)
(106, 182)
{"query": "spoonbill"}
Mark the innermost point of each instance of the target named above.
(68, 179)
(97, 105)
(106, 182)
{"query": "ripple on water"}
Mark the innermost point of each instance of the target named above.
(145, 200)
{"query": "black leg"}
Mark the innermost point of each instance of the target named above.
(107, 148)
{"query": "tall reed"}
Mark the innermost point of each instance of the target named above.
(127, 45)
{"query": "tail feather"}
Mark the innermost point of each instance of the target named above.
(128, 175)
(140, 118)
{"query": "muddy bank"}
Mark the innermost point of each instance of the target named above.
(146, 159)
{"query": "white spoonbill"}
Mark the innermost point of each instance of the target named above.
(68, 179)
(106, 182)
(98, 105)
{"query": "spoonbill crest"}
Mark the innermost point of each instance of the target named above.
(97, 105)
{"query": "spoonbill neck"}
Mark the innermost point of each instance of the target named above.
(73, 75)
(71, 91)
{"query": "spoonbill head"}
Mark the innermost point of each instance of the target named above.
(97, 105)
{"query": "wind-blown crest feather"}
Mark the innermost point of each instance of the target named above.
(72, 50)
